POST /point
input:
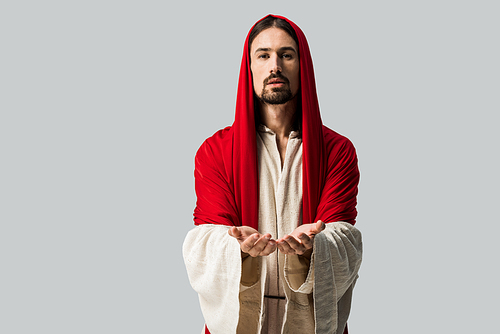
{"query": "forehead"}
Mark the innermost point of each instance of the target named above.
(274, 39)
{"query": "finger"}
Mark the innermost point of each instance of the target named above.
(259, 245)
(270, 248)
(247, 244)
(285, 247)
(295, 244)
(306, 240)
(319, 226)
(234, 232)
(279, 245)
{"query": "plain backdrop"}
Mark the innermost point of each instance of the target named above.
(104, 104)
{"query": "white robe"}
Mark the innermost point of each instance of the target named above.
(318, 295)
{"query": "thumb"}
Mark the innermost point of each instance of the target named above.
(234, 232)
(320, 226)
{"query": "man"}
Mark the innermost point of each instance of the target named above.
(275, 249)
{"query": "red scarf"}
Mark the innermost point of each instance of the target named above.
(226, 168)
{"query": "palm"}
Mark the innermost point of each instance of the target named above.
(242, 233)
(301, 240)
(252, 242)
(309, 229)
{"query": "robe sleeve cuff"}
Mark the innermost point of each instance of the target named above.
(299, 273)
(250, 272)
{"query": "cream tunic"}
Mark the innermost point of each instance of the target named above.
(317, 295)
(280, 213)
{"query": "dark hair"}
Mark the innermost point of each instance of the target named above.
(271, 22)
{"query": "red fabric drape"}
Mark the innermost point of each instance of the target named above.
(226, 169)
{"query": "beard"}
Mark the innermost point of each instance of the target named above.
(276, 95)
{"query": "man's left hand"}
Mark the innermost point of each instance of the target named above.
(300, 241)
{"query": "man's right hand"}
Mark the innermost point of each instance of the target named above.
(252, 242)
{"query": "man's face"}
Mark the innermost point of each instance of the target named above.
(275, 66)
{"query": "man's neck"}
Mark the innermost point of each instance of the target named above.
(278, 117)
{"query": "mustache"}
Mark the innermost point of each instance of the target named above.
(276, 76)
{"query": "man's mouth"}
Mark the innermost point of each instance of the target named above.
(275, 81)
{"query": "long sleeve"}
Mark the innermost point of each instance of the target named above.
(338, 249)
(337, 257)
(229, 302)
(213, 263)
(331, 274)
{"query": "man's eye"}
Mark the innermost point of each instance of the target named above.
(287, 56)
(262, 56)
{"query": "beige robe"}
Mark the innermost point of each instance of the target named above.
(231, 291)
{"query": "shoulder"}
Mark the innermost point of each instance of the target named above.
(336, 144)
(216, 143)
(221, 135)
(216, 153)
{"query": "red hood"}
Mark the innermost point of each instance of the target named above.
(245, 151)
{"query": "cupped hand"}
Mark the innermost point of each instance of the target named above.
(301, 240)
(252, 242)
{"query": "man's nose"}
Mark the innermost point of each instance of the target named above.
(275, 64)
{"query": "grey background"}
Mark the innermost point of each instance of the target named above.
(104, 104)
